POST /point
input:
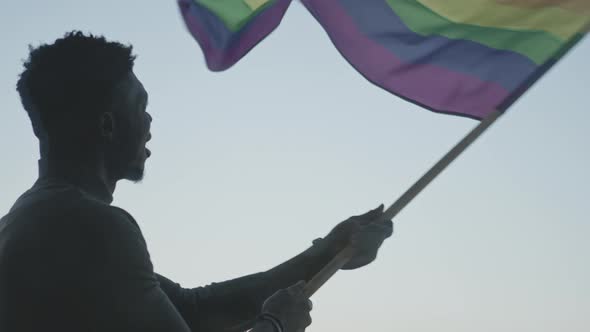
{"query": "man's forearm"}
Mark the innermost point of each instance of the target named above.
(235, 304)
(301, 267)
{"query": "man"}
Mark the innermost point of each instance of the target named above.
(70, 261)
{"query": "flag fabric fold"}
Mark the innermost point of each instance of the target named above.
(227, 30)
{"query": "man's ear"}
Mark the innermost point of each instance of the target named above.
(107, 125)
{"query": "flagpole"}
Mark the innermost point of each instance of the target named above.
(344, 256)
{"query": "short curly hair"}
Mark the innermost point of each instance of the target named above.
(66, 83)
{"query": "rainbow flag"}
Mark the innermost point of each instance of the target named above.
(227, 30)
(462, 57)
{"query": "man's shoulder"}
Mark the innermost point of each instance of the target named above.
(64, 211)
(70, 231)
(92, 218)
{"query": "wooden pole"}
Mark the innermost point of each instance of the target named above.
(344, 256)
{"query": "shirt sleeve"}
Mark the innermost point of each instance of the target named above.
(121, 284)
(231, 305)
(227, 306)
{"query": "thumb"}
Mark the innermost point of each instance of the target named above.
(378, 211)
(373, 214)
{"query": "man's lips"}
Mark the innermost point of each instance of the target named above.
(147, 151)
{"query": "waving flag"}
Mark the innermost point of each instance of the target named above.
(465, 57)
(227, 30)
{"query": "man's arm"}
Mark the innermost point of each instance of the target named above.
(227, 306)
(234, 305)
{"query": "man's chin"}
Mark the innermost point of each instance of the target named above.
(134, 174)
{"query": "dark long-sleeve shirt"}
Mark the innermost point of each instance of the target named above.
(70, 261)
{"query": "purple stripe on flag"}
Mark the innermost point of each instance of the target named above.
(218, 34)
(377, 20)
(434, 87)
(223, 49)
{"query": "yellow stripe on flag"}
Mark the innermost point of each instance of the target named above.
(255, 4)
(557, 21)
(578, 6)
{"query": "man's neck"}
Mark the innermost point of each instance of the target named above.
(90, 177)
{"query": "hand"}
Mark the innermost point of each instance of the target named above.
(365, 233)
(290, 307)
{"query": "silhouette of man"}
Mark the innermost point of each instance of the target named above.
(71, 261)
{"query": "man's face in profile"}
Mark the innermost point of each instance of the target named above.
(126, 153)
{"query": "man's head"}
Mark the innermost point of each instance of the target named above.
(85, 104)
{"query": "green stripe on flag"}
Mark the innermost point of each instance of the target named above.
(538, 46)
(235, 13)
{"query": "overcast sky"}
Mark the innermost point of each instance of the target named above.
(250, 165)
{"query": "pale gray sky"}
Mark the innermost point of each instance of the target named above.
(250, 165)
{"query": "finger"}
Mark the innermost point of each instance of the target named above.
(386, 229)
(369, 242)
(380, 223)
(309, 305)
(378, 220)
(297, 288)
(389, 228)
